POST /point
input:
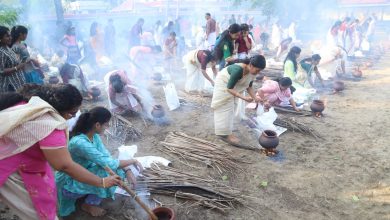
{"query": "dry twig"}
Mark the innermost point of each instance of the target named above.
(194, 149)
(201, 190)
(294, 125)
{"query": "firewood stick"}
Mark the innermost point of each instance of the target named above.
(132, 193)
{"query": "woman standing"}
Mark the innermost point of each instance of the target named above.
(31, 69)
(11, 68)
(308, 66)
(96, 41)
(244, 42)
(70, 42)
(88, 150)
(332, 37)
(291, 64)
(157, 33)
(26, 179)
(230, 83)
(224, 46)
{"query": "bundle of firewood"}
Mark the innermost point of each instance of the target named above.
(193, 149)
(201, 190)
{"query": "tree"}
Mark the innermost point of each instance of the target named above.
(59, 10)
(8, 16)
(268, 7)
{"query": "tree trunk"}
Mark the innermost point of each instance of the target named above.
(59, 10)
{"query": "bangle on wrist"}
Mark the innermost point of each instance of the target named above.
(103, 183)
(126, 169)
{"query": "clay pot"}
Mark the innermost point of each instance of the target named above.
(95, 92)
(317, 106)
(157, 76)
(338, 86)
(54, 80)
(158, 111)
(269, 139)
(357, 73)
(164, 213)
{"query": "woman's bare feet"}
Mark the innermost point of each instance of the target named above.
(233, 139)
(95, 211)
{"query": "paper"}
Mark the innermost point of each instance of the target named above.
(128, 152)
(171, 96)
(72, 122)
(265, 121)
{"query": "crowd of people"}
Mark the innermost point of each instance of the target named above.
(27, 102)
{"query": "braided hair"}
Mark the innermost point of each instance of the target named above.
(87, 120)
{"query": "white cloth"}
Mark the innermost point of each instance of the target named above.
(240, 109)
(276, 35)
(72, 122)
(195, 81)
(327, 68)
(210, 42)
(291, 31)
(200, 41)
(331, 41)
(171, 96)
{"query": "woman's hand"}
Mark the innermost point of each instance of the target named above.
(259, 100)
(131, 179)
(20, 66)
(266, 106)
(35, 62)
(229, 59)
(248, 99)
(297, 109)
(111, 181)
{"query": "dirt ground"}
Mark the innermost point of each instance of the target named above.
(330, 178)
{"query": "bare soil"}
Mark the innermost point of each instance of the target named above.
(314, 179)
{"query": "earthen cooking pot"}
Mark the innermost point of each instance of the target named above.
(164, 213)
(54, 80)
(317, 106)
(338, 86)
(269, 139)
(157, 76)
(357, 73)
(158, 111)
(95, 92)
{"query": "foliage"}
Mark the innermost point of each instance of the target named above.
(268, 7)
(8, 15)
